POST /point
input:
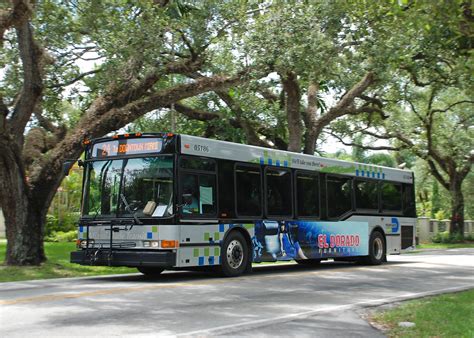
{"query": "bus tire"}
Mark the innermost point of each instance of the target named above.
(234, 255)
(150, 271)
(377, 249)
(309, 261)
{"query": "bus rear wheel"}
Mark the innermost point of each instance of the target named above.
(150, 271)
(234, 255)
(377, 250)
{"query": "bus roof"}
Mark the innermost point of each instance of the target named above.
(193, 145)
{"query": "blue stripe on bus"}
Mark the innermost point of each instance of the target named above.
(221, 227)
(201, 260)
(149, 235)
(262, 161)
(270, 161)
(211, 260)
(285, 163)
(277, 163)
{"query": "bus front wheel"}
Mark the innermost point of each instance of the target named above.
(377, 249)
(149, 271)
(234, 255)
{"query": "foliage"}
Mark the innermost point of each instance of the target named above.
(61, 236)
(425, 100)
(274, 74)
(64, 211)
(447, 237)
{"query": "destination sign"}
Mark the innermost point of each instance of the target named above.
(132, 146)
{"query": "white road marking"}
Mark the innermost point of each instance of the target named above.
(369, 303)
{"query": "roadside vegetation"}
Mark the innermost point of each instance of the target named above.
(57, 266)
(440, 316)
(466, 244)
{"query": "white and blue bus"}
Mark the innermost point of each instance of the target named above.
(164, 201)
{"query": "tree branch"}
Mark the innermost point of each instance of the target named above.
(341, 108)
(31, 56)
(101, 123)
(16, 16)
(248, 128)
(451, 106)
(74, 80)
(366, 147)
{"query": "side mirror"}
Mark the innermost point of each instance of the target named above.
(67, 165)
(187, 199)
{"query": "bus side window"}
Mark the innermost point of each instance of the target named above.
(339, 195)
(248, 188)
(366, 194)
(202, 189)
(409, 208)
(391, 196)
(307, 193)
(278, 194)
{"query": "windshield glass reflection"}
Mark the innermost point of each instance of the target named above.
(146, 184)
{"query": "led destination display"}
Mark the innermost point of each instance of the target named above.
(132, 146)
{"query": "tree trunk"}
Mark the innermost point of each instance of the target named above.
(457, 207)
(293, 114)
(310, 119)
(24, 220)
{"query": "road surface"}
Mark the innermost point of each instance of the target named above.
(275, 300)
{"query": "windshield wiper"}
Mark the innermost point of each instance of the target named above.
(127, 207)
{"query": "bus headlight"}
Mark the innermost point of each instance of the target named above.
(151, 244)
(83, 243)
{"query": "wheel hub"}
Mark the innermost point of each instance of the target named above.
(378, 248)
(235, 254)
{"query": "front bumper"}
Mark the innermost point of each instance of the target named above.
(130, 258)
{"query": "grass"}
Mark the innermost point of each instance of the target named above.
(449, 315)
(56, 266)
(446, 245)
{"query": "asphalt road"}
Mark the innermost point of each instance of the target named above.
(275, 300)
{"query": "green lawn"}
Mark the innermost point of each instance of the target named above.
(57, 266)
(449, 315)
(445, 245)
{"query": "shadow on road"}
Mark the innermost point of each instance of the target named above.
(258, 270)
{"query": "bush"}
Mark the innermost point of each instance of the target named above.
(66, 223)
(51, 225)
(61, 236)
(447, 238)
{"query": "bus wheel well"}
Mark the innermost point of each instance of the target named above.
(247, 239)
(378, 228)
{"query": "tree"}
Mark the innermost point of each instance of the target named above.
(140, 47)
(428, 110)
(287, 110)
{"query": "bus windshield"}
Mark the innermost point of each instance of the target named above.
(145, 184)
